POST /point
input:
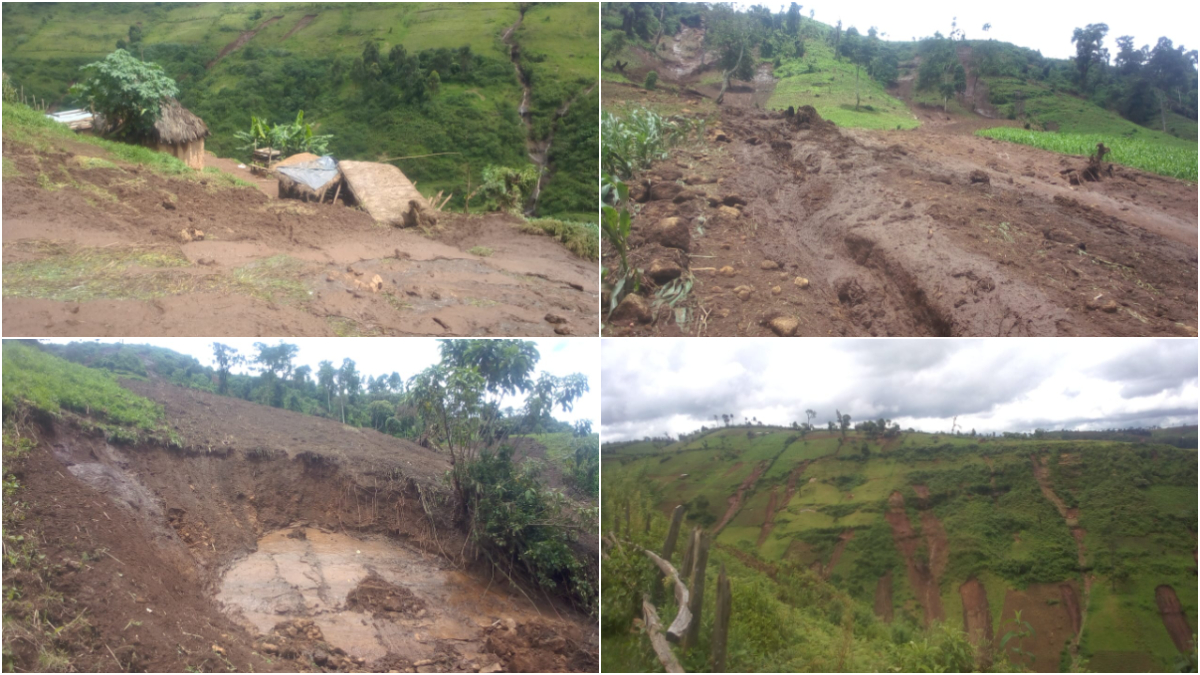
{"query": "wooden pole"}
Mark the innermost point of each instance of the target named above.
(669, 545)
(689, 554)
(337, 192)
(684, 618)
(720, 634)
(628, 529)
(697, 590)
(657, 641)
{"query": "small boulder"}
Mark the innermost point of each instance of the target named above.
(728, 213)
(733, 200)
(632, 307)
(769, 265)
(776, 290)
(727, 271)
(699, 180)
(784, 326)
(672, 233)
(663, 271)
(661, 191)
(744, 292)
(555, 319)
(979, 176)
(801, 282)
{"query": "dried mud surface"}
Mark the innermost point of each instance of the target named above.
(150, 543)
(926, 232)
(428, 285)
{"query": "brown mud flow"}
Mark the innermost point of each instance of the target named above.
(1174, 618)
(977, 618)
(883, 597)
(266, 266)
(273, 541)
(920, 572)
(793, 226)
(735, 500)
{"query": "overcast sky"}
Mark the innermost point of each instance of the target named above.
(654, 386)
(408, 356)
(1045, 26)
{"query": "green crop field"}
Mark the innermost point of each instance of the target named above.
(1136, 509)
(1176, 161)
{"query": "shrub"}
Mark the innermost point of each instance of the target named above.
(651, 79)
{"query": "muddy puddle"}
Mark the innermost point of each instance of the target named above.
(417, 608)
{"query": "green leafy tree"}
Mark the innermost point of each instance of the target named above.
(128, 93)
(1089, 49)
(226, 357)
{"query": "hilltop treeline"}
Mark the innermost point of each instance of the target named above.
(1144, 84)
(385, 403)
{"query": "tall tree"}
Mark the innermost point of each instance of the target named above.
(226, 357)
(1089, 43)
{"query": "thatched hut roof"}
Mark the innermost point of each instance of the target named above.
(177, 125)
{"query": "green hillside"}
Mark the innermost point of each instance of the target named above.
(335, 62)
(1017, 515)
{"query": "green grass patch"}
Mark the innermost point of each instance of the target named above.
(1173, 161)
(827, 84)
(582, 239)
(51, 384)
(10, 169)
(72, 274)
(481, 251)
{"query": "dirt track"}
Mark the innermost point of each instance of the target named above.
(273, 267)
(167, 535)
(932, 231)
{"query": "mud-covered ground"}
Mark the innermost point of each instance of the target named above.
(100, 251)
(793, 226)
(272, 541)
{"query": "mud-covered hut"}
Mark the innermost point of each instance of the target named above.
(181, 133)
(386, 193)
(308, 177)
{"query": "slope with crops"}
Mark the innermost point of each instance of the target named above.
(876, 549)
(103, 238)
(806, 203)
(429, 83)
(154, 527)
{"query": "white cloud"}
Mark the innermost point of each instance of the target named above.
(652, 386)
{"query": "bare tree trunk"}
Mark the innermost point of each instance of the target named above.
(729, 73)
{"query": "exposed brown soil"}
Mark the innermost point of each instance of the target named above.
(1043, 607)
(920, 576)
(932, 231)
(977, 618)
(315, 264)
(1070, 600)
(883, 597)
(836, 555)
(750, 560)
(300, 25)
(140, 541)
(1174, 618)
(240, 41)
(768, 519)
(793, 478)
(735, 500)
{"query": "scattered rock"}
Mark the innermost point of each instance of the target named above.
(564, 329)
(1104, 305)
(769, 265)
(723, 313)
(784, 326)
(494, 668)
(727, 271)
(191, 234)
(219, 650)
(728, 213)
(979, 176)
(733, 200)
(1061, 236)
(672, 233)
(699, 180)
(663, 271)
(744, 292)
(1184, 329)
(776, 290)
(555, 319)
(268, 648)
(632, 308)
(661, 191)
(168, 205)
(801, 282)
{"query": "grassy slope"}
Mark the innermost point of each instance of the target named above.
(830, 89)
(49, 43)
(838, 492)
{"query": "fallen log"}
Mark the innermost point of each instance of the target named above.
(657, 641)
